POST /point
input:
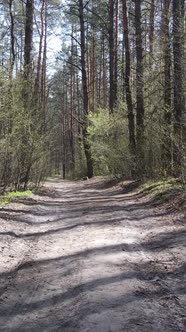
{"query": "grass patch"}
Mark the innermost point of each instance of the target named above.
(163, 189)
(12, 195)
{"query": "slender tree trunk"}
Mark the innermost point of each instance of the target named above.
(100, 76)
(21, 55)
(43, 83)
(72, 107)
(41, 36)
(94, 81)
(87, 147)
(179, 103)
(92, 74)
(116, 53)
(27, 94)
(104, 75)
(139, 88)
(131, 125)
(111, 56)
(12, 37)
(167, 62)
(167, 145)
(28, 37)
(151, 33)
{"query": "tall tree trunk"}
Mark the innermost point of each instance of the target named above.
(167, 155)
(87, 147)
(28, 37)
(131, 125)
(94, 81)
(41, 36)
(179, 103)
(167, 62)
(151, 33)
(111, 55)
(104, 74)
(116, 52)
(12, 37)
(139, 88)
(72, 107)
(43, 69)
(26, 161)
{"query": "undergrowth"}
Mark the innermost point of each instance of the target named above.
(163, 189)
(10, 196)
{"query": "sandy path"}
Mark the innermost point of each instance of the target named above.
(81, 258)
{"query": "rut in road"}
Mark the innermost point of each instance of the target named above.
(90, 258)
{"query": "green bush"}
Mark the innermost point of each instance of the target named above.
(23, 144)
(108, 135)
(11, 196)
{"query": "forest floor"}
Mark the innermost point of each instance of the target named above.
(84, 256)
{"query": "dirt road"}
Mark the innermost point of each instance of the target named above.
(81, 257)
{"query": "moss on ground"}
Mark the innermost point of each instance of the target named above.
(12, 195)
(163, 189)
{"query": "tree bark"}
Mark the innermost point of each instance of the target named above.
(28, 37)
(41, 36)
(116, 52)
(86, 143)
(111, 55)
(139, 88)
(167, 145)
(179, 102)
(151, 34)
(26, 158)
(131, 125)
(12, 37)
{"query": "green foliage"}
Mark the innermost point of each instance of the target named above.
(108, 135)
(10, 196)
(159, 146)
(163, 189)
(23, 145)
(161, 185)
(80, 162)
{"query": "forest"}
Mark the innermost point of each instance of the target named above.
(92, 165)
(113, 102)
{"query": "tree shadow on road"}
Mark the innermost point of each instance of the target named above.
(152, 291)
